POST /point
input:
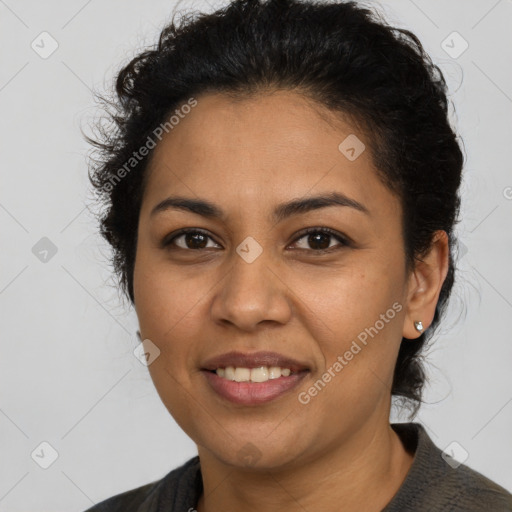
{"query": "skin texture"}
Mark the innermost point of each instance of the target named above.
(248, 156)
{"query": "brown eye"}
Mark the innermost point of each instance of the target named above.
(316, 240)
(189, 240)
(319, 239)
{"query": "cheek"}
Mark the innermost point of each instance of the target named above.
(165, 310)
(356, 323)
(345, 301)
(168, 317)
(355, 317)
(163, 297)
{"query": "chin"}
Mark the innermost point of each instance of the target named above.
(254, 453)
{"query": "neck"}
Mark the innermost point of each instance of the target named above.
(362, 473)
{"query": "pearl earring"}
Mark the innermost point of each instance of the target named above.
(419, 326)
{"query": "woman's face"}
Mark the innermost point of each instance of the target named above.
(252, 281)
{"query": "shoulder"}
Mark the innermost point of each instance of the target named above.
(471, 490)
(148, 497)
(438, 482)
(128, 501)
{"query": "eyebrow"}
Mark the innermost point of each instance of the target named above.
(296, 206)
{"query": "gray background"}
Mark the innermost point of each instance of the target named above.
(68, 375)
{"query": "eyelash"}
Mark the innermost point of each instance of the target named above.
(345, 242)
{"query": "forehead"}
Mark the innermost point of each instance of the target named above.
(262, 150)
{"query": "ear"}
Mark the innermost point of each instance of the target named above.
(424, 285)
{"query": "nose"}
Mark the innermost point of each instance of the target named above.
(251, 294)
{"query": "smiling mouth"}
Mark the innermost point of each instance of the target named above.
(250, 392)
(246, 378)
(258, 374)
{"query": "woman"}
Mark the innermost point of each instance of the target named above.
(281, 190)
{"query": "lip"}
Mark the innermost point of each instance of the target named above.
(254, 360)
(252, 393)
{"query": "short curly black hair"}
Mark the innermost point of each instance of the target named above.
(341, 55)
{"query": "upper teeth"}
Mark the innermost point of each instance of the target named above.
(261, 374)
